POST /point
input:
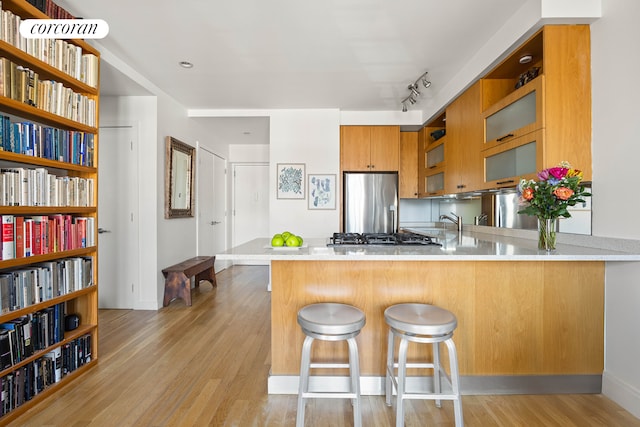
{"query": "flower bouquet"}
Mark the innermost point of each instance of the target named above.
(548, 198)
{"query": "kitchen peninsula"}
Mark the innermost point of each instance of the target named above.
(523, 314)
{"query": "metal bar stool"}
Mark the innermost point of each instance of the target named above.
(330, 322)
(421, 323)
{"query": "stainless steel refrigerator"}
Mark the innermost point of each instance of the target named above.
(370, 202)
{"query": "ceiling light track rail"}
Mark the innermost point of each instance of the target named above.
(413, 88)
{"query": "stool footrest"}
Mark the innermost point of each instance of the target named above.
(329, 365)
(429, 396)
(329, 395)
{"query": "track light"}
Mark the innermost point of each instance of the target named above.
(415, 93)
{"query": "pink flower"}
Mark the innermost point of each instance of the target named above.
(558, 172)
(563, 193)
(543, 175)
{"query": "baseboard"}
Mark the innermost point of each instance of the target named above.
(622, 393)
(469, 385)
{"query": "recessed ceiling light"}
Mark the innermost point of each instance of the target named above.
(525, 59)
(185, 64)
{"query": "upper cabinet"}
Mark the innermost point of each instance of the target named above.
(464, 142)
(369, 148)
(432, 140)
(408, 172)
(538, 114)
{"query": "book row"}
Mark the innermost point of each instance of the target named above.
(37, 187)
(51, 9)
(20, 338)
(40, 235)
(24, 383)
(24, 85)
(46, 142)
(66, 57)
(41, 282)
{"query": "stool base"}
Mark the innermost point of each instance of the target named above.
(354, 375)
(399, 382)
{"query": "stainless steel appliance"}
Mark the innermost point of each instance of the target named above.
(392, 239)
(504, 207)
(370, 202)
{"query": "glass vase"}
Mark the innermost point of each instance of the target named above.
(547, 233)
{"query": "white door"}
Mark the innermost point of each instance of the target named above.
(250, 202)
(211, 205)
(117, 217)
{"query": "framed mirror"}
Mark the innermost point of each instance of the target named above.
(179, 176)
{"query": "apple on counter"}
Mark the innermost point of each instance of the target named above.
(286, 239)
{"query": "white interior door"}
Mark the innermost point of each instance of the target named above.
(117, 217)
(211, 205)
(250, 202)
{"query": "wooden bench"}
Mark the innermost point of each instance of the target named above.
(177, 282)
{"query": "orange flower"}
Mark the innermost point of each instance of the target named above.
(563, 193)
(527, 194)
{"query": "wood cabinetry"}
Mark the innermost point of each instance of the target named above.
(514, 318)
(464, 142)
(49, 257)
(431, 158)
(408, 171)
(557, 101)
(369, 148)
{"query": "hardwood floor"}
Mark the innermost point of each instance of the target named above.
(207, 365)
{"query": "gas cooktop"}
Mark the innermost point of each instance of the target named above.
(343, 239)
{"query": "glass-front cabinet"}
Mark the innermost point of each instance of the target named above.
(506, 164)
(434, 184)
(434, 156)
(517, 114)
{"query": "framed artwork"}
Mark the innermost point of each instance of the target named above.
(291, 180)
(322, 191)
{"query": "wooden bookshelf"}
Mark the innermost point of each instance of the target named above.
(79, 300)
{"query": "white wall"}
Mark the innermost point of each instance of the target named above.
(177, 239)
(311, 137)
(245, 153)
(616, 150)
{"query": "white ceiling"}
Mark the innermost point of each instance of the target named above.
(356, 55)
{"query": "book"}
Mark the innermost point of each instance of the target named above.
(8, 240)
(56, 356)
(19, 236)
(5, 350)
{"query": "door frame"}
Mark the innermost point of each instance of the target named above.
(220, 265)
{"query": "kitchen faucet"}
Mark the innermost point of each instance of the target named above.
(457, 220)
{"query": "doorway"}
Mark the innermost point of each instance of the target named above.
(250, 202)
(117, 217)
(212, 208)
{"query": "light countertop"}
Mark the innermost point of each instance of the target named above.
(468, 246)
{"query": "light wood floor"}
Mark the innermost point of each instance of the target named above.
(208, 364)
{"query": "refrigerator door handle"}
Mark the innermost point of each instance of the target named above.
(392, 208)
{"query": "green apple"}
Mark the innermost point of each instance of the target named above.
(292, 241)
(300, 240)
(285, 235)
(277, 240)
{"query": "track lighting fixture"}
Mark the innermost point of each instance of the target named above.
(415, 93)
